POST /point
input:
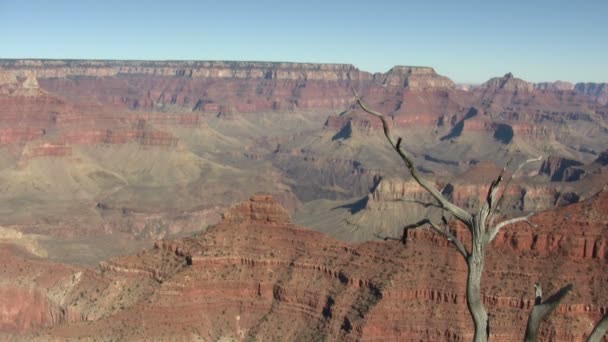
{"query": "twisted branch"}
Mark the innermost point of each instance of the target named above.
(494, 231)
(495, 208)
(459, 213)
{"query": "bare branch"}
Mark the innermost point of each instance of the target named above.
(445, 232)
(494, 230)
(600, 330)
(493, 190)
(450, 237)
(541, 311)
(497, 204)
(428, 186)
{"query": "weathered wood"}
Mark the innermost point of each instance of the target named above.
(541, 311)
(600, 330)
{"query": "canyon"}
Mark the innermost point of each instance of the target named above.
(243, 278)
(119, 181)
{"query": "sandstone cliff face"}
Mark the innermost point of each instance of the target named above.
(195, 69)
(260, 208)
(414, 78)
(31, 291)
(507, 83)
(598, 91)
(258, 86)
(554, 86)
(8, 82)
(252, 277)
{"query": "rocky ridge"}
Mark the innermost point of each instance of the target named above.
(414, 78)
(255, 271)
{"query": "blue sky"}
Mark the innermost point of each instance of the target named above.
(468, 41)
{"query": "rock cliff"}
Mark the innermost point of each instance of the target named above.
(554, 86)
(257, 276)
(414, 78)
(188, 69)
(561, 169)
(598, 91)
(507, 83)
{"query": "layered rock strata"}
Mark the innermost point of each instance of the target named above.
(255, 271)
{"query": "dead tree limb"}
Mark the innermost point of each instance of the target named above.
(600, 330)
(494, 230)
(541, 311)
(459, 213)
(443, 231)
(497, 204)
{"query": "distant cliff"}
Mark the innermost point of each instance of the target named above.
(193, 69)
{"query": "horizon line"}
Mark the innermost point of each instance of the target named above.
(471, 83)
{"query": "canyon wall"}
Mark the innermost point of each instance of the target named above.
(255, 271)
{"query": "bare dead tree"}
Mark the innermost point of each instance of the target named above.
(483, 230)
(480, 224)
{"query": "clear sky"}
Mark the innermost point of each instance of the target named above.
(468, 41)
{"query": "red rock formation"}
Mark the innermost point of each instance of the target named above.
(24, 308)
(507, 83)
(259, 208)
(414, 78)
(254, 272)
(26, 299)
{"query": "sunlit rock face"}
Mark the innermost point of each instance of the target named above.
(257, 275)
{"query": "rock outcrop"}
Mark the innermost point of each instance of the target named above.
(267, 279)
(554, 86)
(260, 208)
(187, 69)
(414, 78)
(8, 82)
(597, 91)
(561, 169)
(508, 83)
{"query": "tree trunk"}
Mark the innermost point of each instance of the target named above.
(600, 330)
(474, 301)
(540, 311)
